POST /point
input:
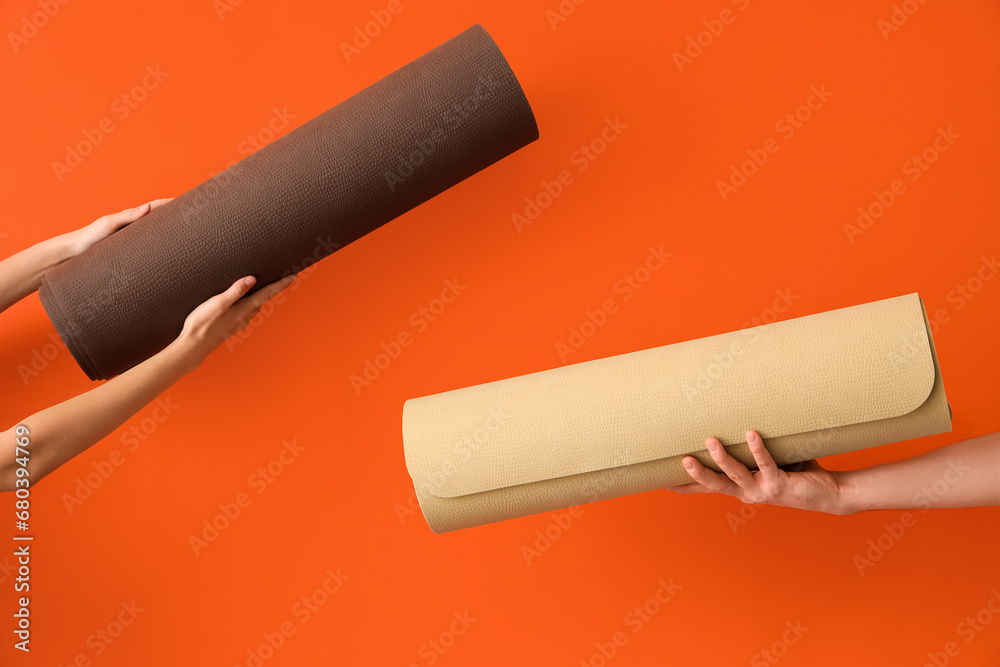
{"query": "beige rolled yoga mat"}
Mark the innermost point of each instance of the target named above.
(813, 386)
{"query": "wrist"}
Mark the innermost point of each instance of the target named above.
(185, 352)
(848, 497)
(66, 246)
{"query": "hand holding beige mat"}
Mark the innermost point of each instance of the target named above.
(813, 386)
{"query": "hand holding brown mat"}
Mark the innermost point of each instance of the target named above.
(813, 386)
(406, 138)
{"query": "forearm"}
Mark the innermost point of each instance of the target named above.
(60, 432)
(21, 274)
(964, 474)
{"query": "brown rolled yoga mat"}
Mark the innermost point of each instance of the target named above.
(404, 139)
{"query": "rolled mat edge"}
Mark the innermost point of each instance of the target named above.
(64, 329)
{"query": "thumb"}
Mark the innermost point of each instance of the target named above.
(122, 218)
(236, 291)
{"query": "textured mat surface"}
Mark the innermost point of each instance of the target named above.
(813, 386)
(406, 138)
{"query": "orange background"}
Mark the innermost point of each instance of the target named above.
(345, 502)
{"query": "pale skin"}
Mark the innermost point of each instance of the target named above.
(60, 432)
(963, 474)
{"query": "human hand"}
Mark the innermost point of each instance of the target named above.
(811, 488)
(223, 315)
(107, 225)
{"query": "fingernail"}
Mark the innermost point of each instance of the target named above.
(711, 445)
(248, 281)
(751, 436)
(689, 464)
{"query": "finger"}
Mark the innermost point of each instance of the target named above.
(156, 203)
(765, 463)
(235, 292)
(245, 321)
(693, 487)
(122, 218)
(710, 479)
(735, 470)
(249, 316)
(251, 306)
(266, 293)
